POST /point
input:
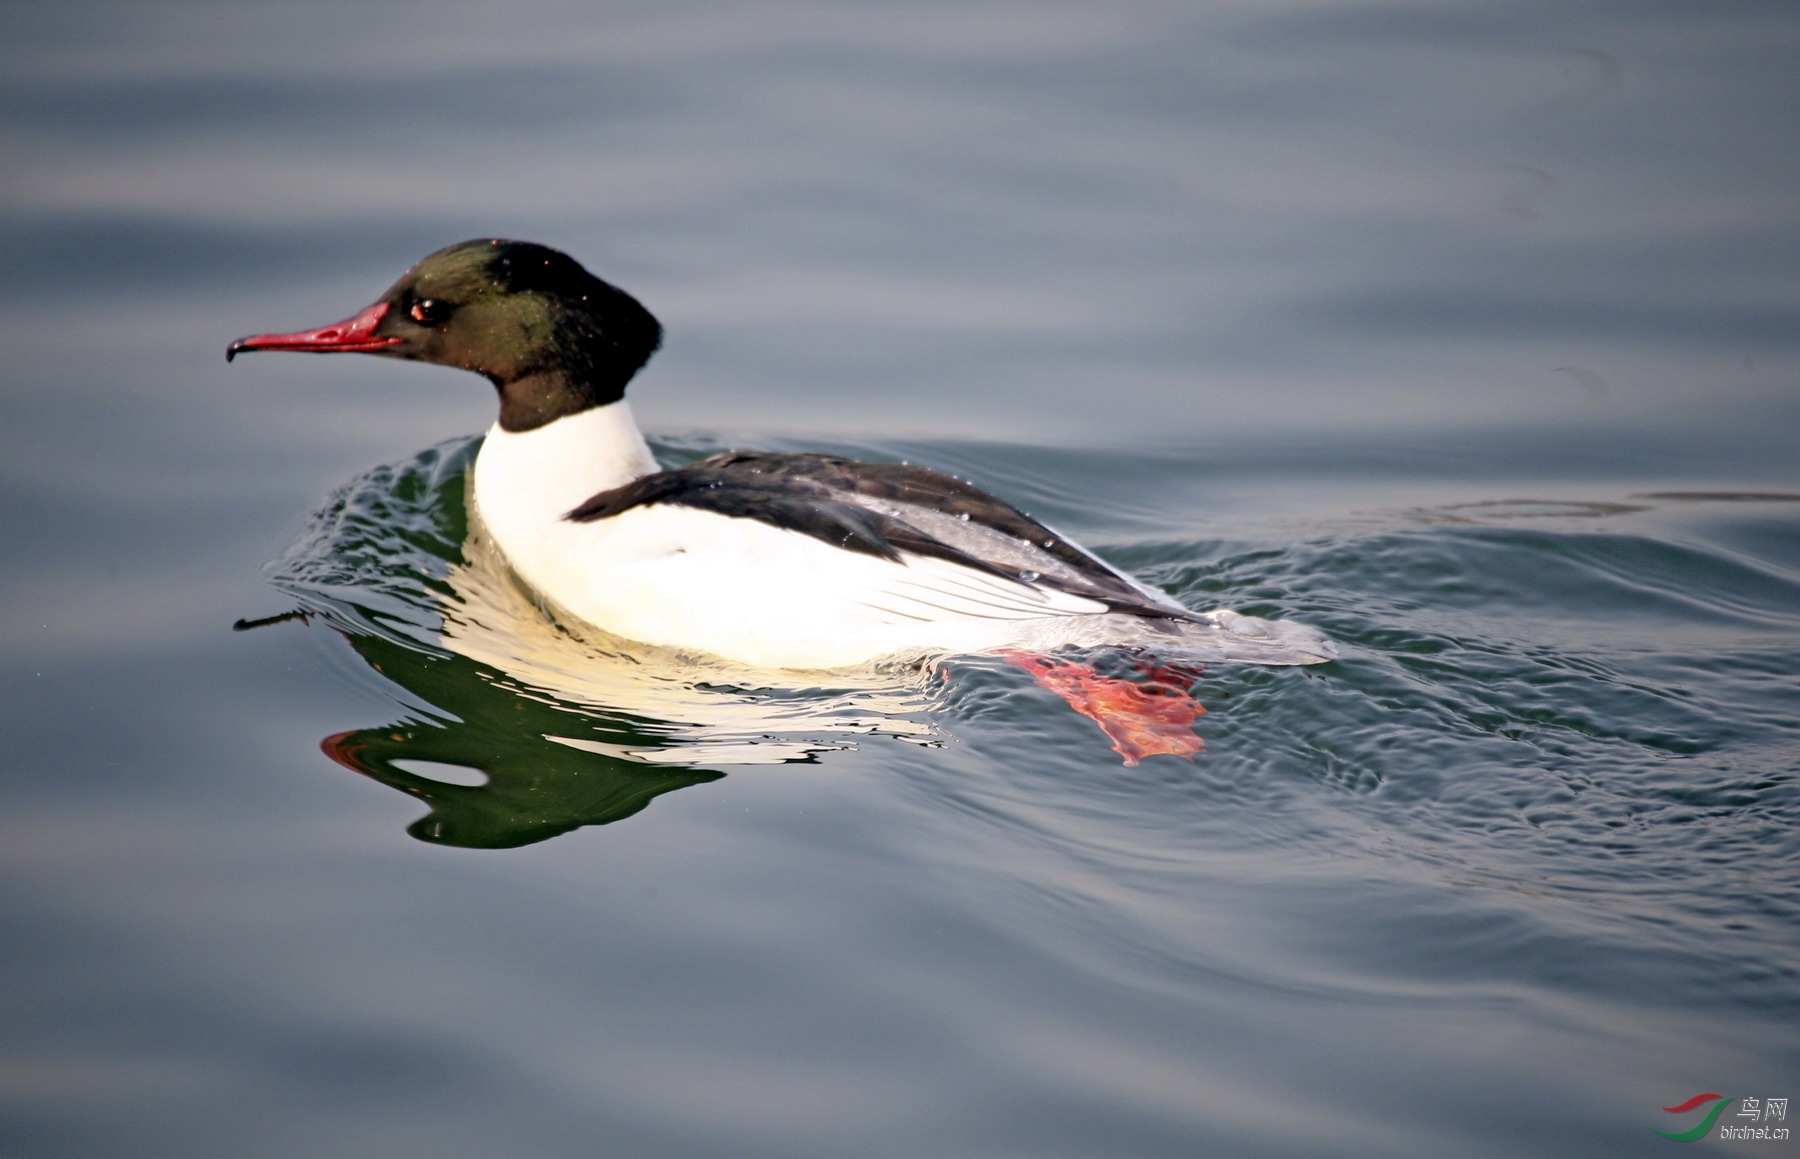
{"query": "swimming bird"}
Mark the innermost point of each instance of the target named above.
(790, 561)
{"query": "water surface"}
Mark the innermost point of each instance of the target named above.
(1465, 334)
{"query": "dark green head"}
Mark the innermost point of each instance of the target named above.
(554, 339)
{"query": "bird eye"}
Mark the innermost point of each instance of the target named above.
(430, 312)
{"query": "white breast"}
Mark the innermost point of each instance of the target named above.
(525, 482)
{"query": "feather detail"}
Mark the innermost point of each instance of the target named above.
(891, 511)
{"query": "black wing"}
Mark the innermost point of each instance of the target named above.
(884, 510)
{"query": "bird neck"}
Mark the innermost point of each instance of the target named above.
(526, 481)
(553, 393)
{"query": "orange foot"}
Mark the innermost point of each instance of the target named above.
(1141, 719)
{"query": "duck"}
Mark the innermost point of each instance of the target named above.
(797, 561)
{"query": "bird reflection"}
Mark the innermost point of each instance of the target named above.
(537, 785)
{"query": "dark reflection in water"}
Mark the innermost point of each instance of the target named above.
(537, 785)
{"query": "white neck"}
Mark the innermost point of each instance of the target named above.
(526, 481)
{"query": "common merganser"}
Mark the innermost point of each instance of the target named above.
(797, 561)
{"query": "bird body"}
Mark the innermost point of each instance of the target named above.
(796, 561)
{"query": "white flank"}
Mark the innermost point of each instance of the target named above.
(697, 581)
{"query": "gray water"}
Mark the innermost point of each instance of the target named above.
(1467, 333)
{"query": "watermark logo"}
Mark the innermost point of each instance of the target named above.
(1719, 1103)
(1757, 1109)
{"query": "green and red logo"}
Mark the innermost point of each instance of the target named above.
(1704, 1125)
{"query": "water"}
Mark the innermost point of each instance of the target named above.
(1462, 334)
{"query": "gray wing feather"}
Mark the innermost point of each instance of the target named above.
(892, 510)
